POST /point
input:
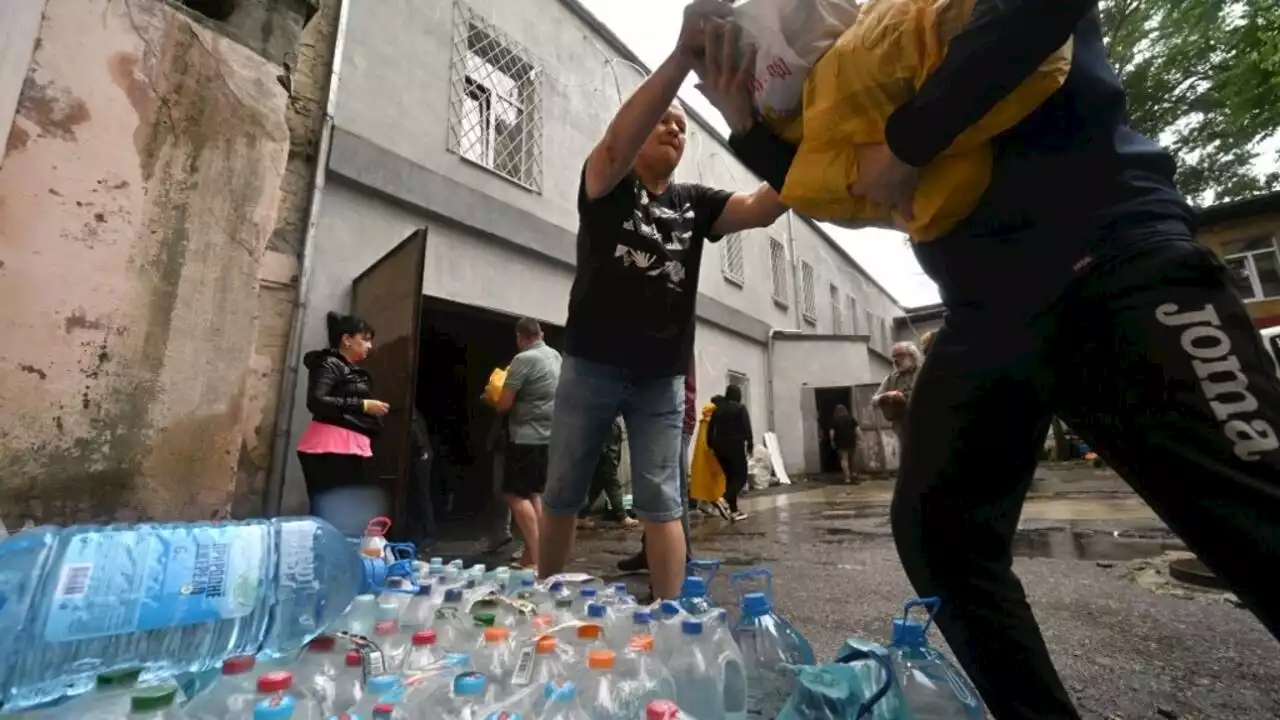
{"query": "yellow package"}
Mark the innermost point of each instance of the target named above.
(497, 379)
(706, 478)
(876, 66)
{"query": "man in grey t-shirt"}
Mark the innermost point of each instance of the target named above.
(528, 399)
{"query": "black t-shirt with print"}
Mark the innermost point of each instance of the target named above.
(636, 285)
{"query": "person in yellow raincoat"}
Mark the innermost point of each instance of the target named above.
(706, 478)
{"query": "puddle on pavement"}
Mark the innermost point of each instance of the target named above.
(1068, 544)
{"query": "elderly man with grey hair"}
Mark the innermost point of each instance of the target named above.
(895, 391)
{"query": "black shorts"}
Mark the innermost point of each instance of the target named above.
(525, 473)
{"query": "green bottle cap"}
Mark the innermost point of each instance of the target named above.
(115, 679)
(153, 698)
(485, 619)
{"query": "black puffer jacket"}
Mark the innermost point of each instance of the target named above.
(335, 389)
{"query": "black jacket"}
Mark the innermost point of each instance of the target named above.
(730, 427)
(335, 389)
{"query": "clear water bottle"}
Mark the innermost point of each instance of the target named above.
(549, 664)
(562, 611)
(423, 653)
(168, 598)
(732, 668)
(667, 635)
(109, 699)
(932, 687)
(155, 703)
(420, 613)
(376, 689)
(468, 697)
(602, 697)
(386, 633)
(454, 628)
(278, 684)
(316, 670)
(602, 615)
(586, 596)
(231, 695)
(635, 623)
(561, 702)
(361, 616)
(646, 677)
(494, 658)
(348, 684)
(768, 643)
(696, 669)
(693, 597)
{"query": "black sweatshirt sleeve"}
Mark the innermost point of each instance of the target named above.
(1005, 41)
(764, 154)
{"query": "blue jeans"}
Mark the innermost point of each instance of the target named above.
(588, 399)
(686, 439)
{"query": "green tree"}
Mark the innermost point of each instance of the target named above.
(1203, 77)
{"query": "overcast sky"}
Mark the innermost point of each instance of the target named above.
(650, 29)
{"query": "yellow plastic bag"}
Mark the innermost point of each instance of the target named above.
(875, 67)
(706, 478)
(493, 390)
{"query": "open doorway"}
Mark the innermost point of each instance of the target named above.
(825, 400)
(461, 345)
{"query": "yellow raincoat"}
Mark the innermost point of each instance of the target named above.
(706, 479)
(493, 390)
(876, 66)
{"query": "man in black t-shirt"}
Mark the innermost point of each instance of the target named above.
(629, 336)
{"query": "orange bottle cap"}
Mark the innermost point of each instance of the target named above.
(495, 634)
(588, 632)
(600, 659)
(547, 645)
(641, 643)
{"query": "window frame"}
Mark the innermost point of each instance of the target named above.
(728, 242)
(808, 292)
(1251, 266)
(779, 272)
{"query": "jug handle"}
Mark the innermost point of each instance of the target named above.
(744, 575)
(407, 548)
(930, 604)
(377, 527)
(868, 705)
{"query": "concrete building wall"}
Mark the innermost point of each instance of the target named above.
(19, 29)
(138, 192)
(800, 363)
(717, 354)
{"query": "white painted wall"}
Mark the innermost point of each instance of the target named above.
(800, 363)
(717, 352)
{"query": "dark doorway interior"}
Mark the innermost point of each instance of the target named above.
(826, 399)
(461, 345)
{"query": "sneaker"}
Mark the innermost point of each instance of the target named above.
(634, 564)
(519, 553)
(706, 508)
(629, 522)
(722, 509)
(740, 515)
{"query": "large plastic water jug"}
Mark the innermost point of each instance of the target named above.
(932, 687)
(80, 601)
(769, 645)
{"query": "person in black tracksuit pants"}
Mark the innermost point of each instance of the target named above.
(1075, 287)
(729, 436)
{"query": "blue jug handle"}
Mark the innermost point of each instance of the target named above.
(743, 576)
(402, 551)
(698, 567)
(931, 604)
(402, 569)
(868, 705)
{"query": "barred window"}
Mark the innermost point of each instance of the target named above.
(837, 311)
(731, 262)
(809, 307)
(778, 269)
(495, 109)
(853, 315)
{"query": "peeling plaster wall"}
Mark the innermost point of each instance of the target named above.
(137, 199)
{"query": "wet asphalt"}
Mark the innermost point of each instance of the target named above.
(1128, 641)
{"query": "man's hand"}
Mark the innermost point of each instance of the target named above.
(885, 180)
(693, 32)
(724, 81)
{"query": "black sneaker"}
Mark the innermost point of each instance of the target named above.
(634, 564)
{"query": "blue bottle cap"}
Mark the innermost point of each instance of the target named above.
(756, 604)
(424, 589)
(560, 692)
(691, 627)
(380, 684)
(457, 660)
(527, 582)
(693, 587)
(595, 610)
(642, 617)
(619, 588)
(670, 608)
(556, 586)
(587, 592)
(469, 684)
(453, 595)
(908, 633)
(471, 583)
(277, 707)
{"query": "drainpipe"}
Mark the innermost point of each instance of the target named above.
(293, 354)
(797, 291)
(768, 370)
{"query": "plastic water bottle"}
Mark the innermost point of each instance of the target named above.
(667, 635)
(386, 633)
(638, 623)
(493, 659)
(425, 691)
(602, 615)
(562, 702)
(732, 668)
(693, 597)
(586, 596)
(549, 663)
(646, 678)
(696, 669)
(423, 653)
(279, 684)
(376, 689)
(562, 610)
(109, 699)
(361, 616)
(316, 670)
(231, 695)
(469, 696)
(587, 638)
(601, 695)
(155, 703)
(274, 709)
(768, 643)
(932, 687)
(348, 684)
(420, 613)
(168, 598)
(453, 627)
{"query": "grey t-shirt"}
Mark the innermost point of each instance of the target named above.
(534, 376)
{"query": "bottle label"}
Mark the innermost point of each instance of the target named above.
(126, 581)
(523, 674)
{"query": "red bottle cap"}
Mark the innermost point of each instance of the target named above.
(354, 659)
(237, 665)
(662, 710)
(275, 681)
(424, 637)
(324, 643)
